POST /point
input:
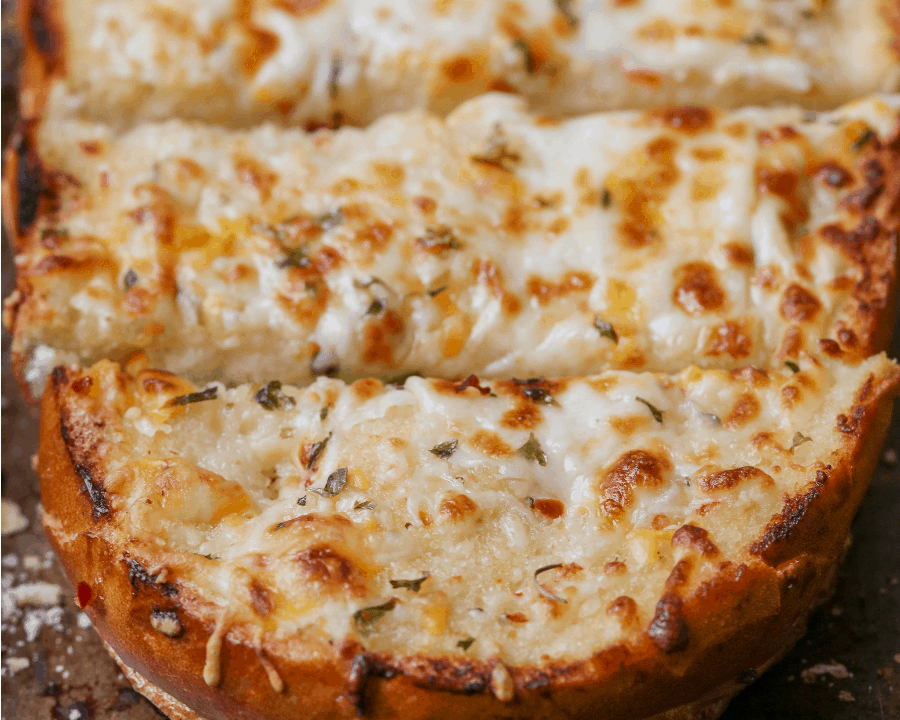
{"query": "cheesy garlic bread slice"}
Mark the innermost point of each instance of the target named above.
(526, 548)
(494, 242)
(243, 62)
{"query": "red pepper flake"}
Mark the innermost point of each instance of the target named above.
(83, 596)
(472, 381)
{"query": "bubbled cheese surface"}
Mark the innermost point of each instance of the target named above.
(241, 501)
(243, 62)
(493, 241)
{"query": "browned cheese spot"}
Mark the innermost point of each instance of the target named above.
(261, 598)
(694, 538)
(688, 120)
(629, 425)
(774, 135)
(738, 253)
(727, 479)
(784, 184)
(697, 288)
(791, 343)
(745, 409)
(83, 384)
(390, 175)
(550, 508)
(300, 8)
(798, 304)
(487, 273)
(490, 444)
(830, 347)
(255, 174)
(516, 617)
(636, 468)
(668, 630)
(751, 375)
(624, 609)
(327, 566)
(366, 388)
(679, 575)
(524, 415)
(257, 47)
(378, 336)
(639, 187)
(729, 338)
(615, 567)
(424, 204)
(456, 507)
(546, 290)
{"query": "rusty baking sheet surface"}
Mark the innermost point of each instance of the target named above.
(54, 667)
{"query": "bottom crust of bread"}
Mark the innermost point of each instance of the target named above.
(708, 708)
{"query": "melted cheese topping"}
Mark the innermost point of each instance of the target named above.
(300, 511)
(491, 242)
(311, 62)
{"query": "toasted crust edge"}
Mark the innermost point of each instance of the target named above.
(739, 622)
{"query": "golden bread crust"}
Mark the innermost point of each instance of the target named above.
(738, 622)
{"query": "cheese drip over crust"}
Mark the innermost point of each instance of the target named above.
(495, 242)
(527, 519)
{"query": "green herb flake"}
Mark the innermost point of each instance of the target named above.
(323, 413)
(755, 39)
(316, 450)
(411, 585)
(364, 505)
(302, 501)
(565, 9)
(211, 393)
(465, 644)
(498, 153)
(606, 330)
(365, 617)
(530, 63)
(656, 412)
(445, 449)
(606, 198)
(541, 589)
(334, 484)
(799, 439)
(211, 557)
(333, 78)
(331, 219)
(130, 279)
(400, 379)
(792, 365)
(533, 451)
(271, 397)
(376, 307)
(437, 291)
(863, 140)
(529, 502)
(714, 419)
(293, 257)
(438, 239)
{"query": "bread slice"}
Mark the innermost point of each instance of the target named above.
(526, 548)
(241, 63)
(494, 242)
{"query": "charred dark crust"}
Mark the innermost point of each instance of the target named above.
(668, 630)
(453, 675)
(141, 579)
(91, 484)
(44, 32)
(356, 683)
(29, 183)
(784, 524)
